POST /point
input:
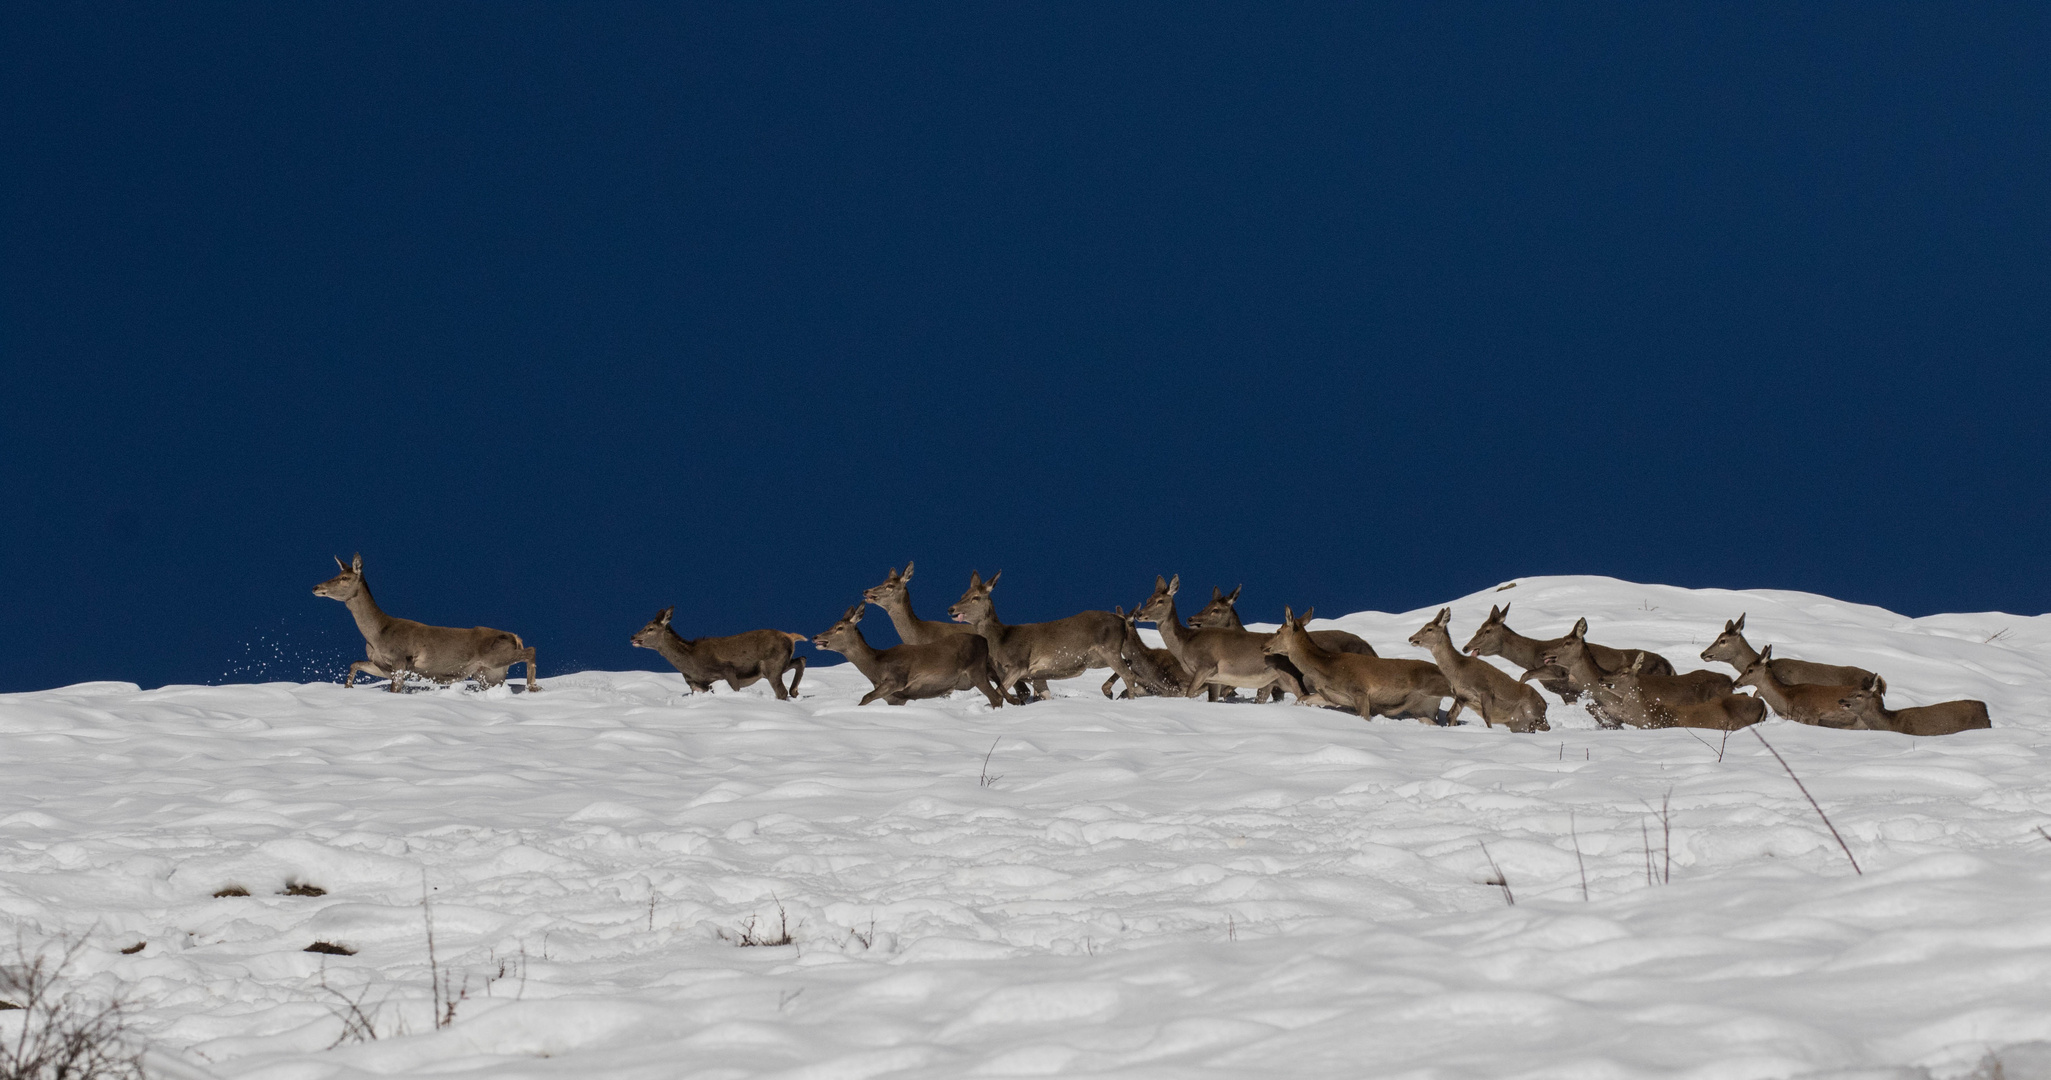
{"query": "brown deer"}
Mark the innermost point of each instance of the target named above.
(1478, 684)
(1495, 638)
(1036, 652)
(444, 654)
(1366, 685)
(1223, 613)
(1575, 655)
(1944, 718)
(895, 598)
(1215, 656)
(1628, 697)
(740, 660)
(1804, 703)
(904, 673)
(1160, 673)
(1730, 647)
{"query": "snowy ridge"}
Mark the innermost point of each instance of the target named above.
(1148, 889)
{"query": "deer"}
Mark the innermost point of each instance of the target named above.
(444, 654)
(1495, 638)
(1223, 612)
(1575, 657)
(1630, 700)
(1944, 718)
(895, 598)
(1215, 656)
(1366, 685)
(1478, 684)
(1817, 704)
(904, 673)
(1160, 673)
(1036, 652)
(740, 659)
(1730, 647)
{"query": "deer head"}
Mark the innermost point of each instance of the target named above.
(1869, 697)
(974, 605)
(1219, 612)
(647, 636)
(891, 589)
(1759, 671)
(1158, 607)
(1727, 644)
(345, 585)
(842, 635)
(1438, 629)
(1291, 635)
(1491, 637)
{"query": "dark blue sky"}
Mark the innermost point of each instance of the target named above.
(562, 314)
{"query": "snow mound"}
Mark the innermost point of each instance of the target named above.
(1143, 889)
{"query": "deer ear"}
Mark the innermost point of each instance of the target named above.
(357, 563)
(1506, 611)
(1174, 584)
(1287, 615)
(975, 581)
(1445, 616)
(1873, 683)
(1118, 610)
(663, 618)
(1233, 598)
(1766, 654)
(1305, 617)
(854, 614)
(992, 583)
(907, 575)
(1581, 627)
(1740, 624)
(1638, 664)
(344, 567)
(1217, 593)
(1879, 684)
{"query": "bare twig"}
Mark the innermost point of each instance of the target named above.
(986, 779)
(2042, 833)
(1571, 831)
(434, 969)
(1498, 880)
(1231, 928)
(1812, 800)
(1645, 837)
(63, 1034)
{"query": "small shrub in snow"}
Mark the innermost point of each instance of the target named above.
(750, 936)
(63, 1034)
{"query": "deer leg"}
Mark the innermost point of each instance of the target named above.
(1040, 688)
(527, 657)
(362, 665)
(1453, 714)
(889, 688)
(1108, 684)
(797, 664)
(989, 690)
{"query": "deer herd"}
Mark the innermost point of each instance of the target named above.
(1213, 654)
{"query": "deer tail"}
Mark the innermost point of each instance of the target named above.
(794, 638)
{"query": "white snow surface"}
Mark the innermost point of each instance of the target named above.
(1143, 889)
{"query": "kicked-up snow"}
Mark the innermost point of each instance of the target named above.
(1127, 889)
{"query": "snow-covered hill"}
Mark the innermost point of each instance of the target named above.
(1143, 889)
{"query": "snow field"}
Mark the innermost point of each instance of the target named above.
(1147, 889)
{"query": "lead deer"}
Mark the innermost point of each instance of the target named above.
(444, 654)
(1214, 656)
(1944, 718)
(1036, 652)
(895, 598)
(1631, 700)
(1366, 685)
(904, 673)
(1223, 613)
(1804, 703)
(740, 659)
(1495, 638)
(1575, 656)
(1730, 647)
(1478, 684)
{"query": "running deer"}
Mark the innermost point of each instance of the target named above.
(1805, 703)
(1632, 701)
(444, 654)
(1222, 612)
(1161, 675)
(895, 598)
(1367, 685)
(1944, 718)
(1495, 638)
(740, 660)
(1575, 656)
(1215, 656)
(1730, 647)
(904, 673)
(1478, 684)
(1036, 652)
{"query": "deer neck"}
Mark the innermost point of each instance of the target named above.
(371, 621)
(989, 626)
(1442, 651)
(1583, 672)
(1174, 635)
(1232, 619)
(1770, 689)
(899, 608)
(1308, 654)
(1520, 650)
(1742, 653)
(865, 659)
(672, 647)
